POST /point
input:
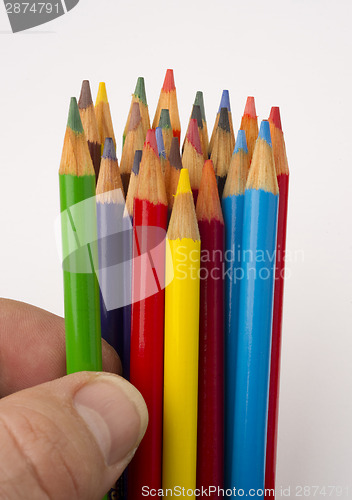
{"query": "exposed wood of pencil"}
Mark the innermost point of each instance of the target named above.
(168, 100)
(132, 188)
(134, 141)
(192, 157)
(172, 172)
(210, 450)
(222, 149)
(90, 125)
(282, 171)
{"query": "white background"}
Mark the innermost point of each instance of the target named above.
(291, 53)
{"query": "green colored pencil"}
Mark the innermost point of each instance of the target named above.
(80, 256)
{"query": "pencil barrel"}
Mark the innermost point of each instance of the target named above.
(254, 340)
(80, 264)
(181, 364)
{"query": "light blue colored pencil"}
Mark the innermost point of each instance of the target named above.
(255, 319)
(232, 206)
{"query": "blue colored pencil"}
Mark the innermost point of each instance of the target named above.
(255, 319)
(110, 208)
(232, 206)
(128, 252)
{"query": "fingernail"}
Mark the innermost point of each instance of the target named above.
(115, 413)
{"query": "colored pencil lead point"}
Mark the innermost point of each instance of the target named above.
(199, 101)
(250, 108)
(169, 82)
(193, 135)
(184, 185)
(140, 90)
(160, 142)
(74, 119)
(102, 95)
(137, 161)
(164, 121)
(85, 99)
(264, 132)
(175, 156)
(109, 149)
(135, 116)
(151, 141)
(275, 117)
(224, 122)
(241, 142)
(197, 115)
(225, 101)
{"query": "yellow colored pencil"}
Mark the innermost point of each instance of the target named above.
(102, 112)
(181, 342)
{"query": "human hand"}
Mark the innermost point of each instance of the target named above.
(68, 438)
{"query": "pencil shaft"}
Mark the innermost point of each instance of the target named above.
(147, 337)
(254, 340)
(273, 414)
(233, 217)
(181, 364)
(210, 456)
(81, 288)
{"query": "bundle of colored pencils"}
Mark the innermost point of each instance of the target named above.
(177, 260)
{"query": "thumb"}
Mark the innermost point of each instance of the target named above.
(70, 438)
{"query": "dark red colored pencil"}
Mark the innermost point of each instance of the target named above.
(282, 173)
(147, 323)
(210, 453)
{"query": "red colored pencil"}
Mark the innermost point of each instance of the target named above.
(192, 157)
(147, 323)
(168, 100)
(282, 173)
(210, 452)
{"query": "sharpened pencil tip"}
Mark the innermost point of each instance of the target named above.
(102, 95)
(184, 185)
(140, 90)
(151, 141)
(225, 101)
(264, 132)
(169, 82)
(160, 142)
(241, 142)
(197, 115)
(74, 119)
(224, 121)
(109, 149)
(275, 117)
(85, 99)
(199, 101)
(193, 135)
(164, 121)
(250, 107)
(175, 155)
(137, 161)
